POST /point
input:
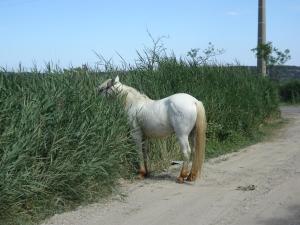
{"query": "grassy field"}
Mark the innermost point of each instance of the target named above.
(62, 145)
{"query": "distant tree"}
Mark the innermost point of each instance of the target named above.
(204, 57)
(271, 55)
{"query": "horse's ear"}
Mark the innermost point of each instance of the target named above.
(110, 83)
(117, 79)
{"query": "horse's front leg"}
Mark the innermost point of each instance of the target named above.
(139, 140)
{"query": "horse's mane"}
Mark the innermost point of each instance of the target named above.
(138, 95)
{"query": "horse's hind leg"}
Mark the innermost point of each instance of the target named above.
(186, 150)
(145, 157)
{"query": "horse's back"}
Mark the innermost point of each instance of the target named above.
(182, 99)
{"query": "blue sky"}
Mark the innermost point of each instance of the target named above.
(67, 31)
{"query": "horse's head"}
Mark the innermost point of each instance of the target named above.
(109, 86)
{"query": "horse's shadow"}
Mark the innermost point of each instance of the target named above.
(165, 176)
(161, 176)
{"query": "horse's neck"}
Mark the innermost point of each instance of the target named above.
(134, 97)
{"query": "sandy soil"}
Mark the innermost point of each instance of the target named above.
(258, 185)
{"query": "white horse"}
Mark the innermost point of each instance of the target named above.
(180, 113)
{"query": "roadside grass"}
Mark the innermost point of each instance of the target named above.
(62, 145)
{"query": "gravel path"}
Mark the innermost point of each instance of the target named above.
(258, 185)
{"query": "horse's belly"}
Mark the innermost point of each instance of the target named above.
(157, 128)
(157, 133)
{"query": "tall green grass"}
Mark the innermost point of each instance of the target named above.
(61, 144)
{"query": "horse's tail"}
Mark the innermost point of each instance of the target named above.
(200, 138)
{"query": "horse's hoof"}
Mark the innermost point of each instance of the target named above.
(180, 180)
(142, 173)
(141, 177)
(184, 174)
(191, 177)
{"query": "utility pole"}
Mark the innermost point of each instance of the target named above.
(261, 62)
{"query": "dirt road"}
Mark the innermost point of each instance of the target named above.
(258, 185)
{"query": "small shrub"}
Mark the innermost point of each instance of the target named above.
(290, 91)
